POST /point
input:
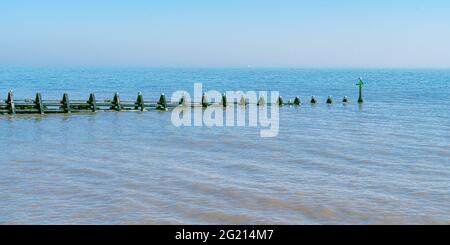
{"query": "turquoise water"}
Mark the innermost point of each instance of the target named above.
(385, 162)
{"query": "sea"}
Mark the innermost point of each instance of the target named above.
(386, 161)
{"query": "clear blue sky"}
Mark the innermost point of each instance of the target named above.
(237, 33)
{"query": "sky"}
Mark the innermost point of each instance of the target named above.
(229, 33)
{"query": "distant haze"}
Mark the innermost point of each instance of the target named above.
(232, 33)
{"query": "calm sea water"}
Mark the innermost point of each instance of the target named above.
(385, 162)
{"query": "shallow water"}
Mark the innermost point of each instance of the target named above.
(385, 162)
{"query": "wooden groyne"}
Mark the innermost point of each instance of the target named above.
(66, 105)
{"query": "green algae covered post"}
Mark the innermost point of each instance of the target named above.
(261, 101)
(297, 101)
(182, 101)
(65, 103)
(162, 103)
(204, 100)
(224, 100)
(243, 101)
(10, 103)
(345, 99)
(330, 100)
(140, 102)
(116, 102)
(280, 101)
(38, 102)
(92, 102)
(313, 100)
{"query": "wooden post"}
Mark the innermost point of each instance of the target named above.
(330, 100)
(116, 102)
(10, 103)
(38, 102)
(280, 101)
(243, 102)
(92, 102)
(313, 100)
(345, 99)
(224, 100)
(140, 102)
(162, 103)
(297, 101)
(204, 100)
(182, 101)
(261, 101)
(65, 103)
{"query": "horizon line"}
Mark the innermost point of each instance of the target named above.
(225, 67)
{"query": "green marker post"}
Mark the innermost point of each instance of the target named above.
(360, 84)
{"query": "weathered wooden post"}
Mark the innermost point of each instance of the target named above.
(116, 102)
(330, 100)
(10, 103)
(242, 102)
(140, 102)
(224, 100)
(182, 100)
(65, 103)
(345, 99)
(204, 100)
(162, 103)
(38, 102)
(313, 100)
(261, 101)
(280, 101)
(92, 102)
(360, 84)
(297, 101)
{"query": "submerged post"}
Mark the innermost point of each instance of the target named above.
(313, 100)
(10, 103)
(330, 100)
(92, 102)
(116, 102)
(38, 102)
(65, 103)
(360, 84)
(140, 102)
(297, 101)
(345, 99)
(162, 103)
